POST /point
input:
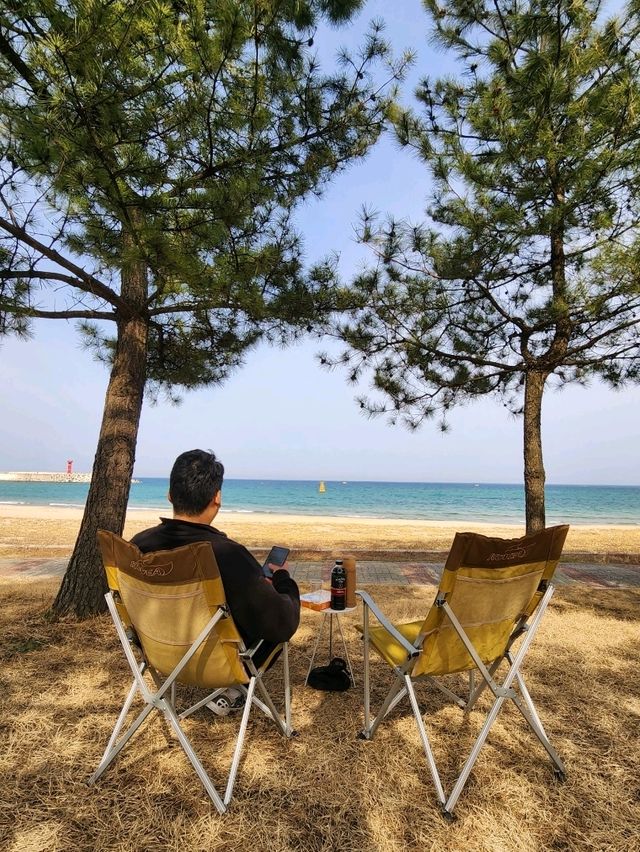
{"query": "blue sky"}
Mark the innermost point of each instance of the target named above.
(281, 415)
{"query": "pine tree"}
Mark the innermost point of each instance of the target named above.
(151, 156)
(526, 273)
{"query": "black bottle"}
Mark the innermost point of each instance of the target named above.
(338, 586)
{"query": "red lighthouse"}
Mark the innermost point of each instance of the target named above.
(69, 466)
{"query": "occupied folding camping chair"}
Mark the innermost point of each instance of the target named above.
(170, 614)
(492, 592)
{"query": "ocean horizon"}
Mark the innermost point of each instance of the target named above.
(437, 501)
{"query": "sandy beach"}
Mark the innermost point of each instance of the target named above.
(51, 531)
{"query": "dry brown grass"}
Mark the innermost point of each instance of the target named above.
(63, 685)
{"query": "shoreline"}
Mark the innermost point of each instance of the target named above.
(52, 530)
(149, 514)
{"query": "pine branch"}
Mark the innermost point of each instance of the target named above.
(36, 313)
(45, 275)
(19, 65)
(85, 282)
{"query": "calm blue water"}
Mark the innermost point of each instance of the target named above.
(413, 500)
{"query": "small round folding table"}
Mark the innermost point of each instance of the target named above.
(330, 614)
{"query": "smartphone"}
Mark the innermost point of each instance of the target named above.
(276, 556)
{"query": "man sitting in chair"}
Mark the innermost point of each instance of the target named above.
(261, 609)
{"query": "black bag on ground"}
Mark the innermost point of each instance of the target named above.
(331, 678)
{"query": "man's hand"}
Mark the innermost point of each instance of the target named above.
(274, 568)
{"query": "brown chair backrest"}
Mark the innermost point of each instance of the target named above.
(168, 597)
(491, 584)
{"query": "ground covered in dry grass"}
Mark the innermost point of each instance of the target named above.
(63, 685)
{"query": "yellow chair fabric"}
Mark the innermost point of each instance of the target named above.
(184, 582)
(490, 584)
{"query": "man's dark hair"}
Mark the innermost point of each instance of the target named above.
(196, 477)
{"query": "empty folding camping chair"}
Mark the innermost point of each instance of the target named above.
(492, 592)
(170, 614)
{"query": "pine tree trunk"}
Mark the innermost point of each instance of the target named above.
(534, 476)
(84, 584)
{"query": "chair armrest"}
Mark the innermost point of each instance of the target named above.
(368, 601)
(250, 651)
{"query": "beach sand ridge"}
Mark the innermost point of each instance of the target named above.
(52, 530)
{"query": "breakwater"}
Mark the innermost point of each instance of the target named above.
(43, 476)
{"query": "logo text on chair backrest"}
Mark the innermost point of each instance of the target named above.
(151, 570)
(518, 551)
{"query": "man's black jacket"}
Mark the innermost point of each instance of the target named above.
(260, 609)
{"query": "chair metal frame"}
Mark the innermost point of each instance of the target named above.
(163, 699)
(511, 688)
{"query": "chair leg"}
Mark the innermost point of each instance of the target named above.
(123, 715)
(502, 693)
(287, 689)
(366, 687)
(250, 698)
(475, 751)
(398, 686)
(172, 718)
(240, 742)
(528, 711)
(446, 691)
(283, 727)
(202, 703)
(425, 740)
(523, 702)
(109, 756)
(527, 698)
(396, 700)
(477, 691)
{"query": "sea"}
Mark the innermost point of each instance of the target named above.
(437, 501)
